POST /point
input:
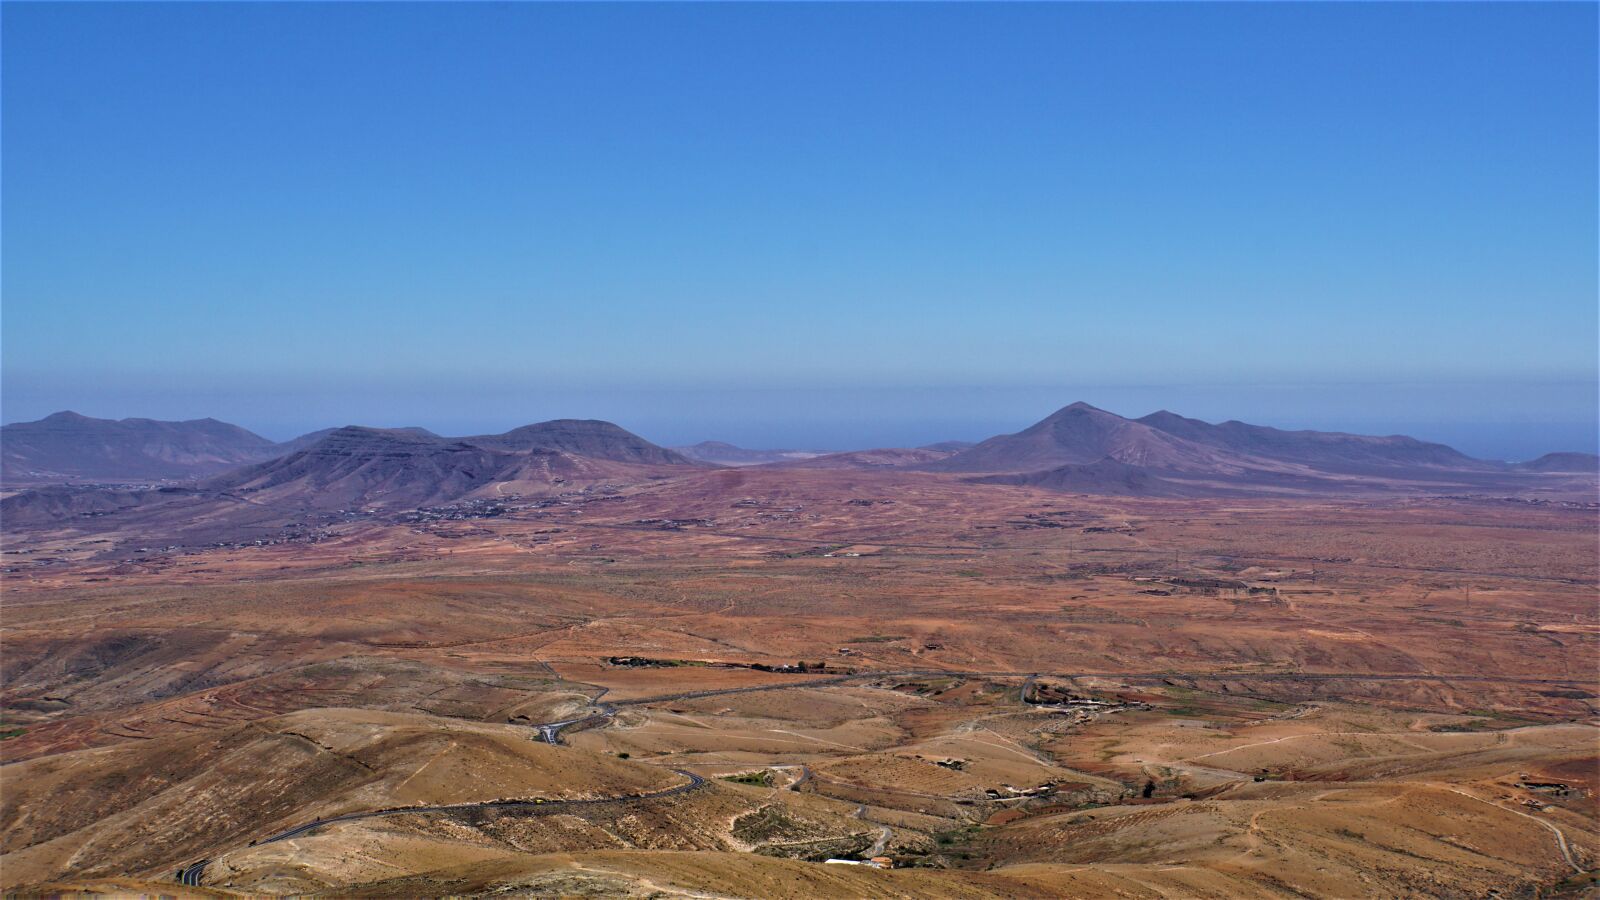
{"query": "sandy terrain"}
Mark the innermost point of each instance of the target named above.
(1389, 697)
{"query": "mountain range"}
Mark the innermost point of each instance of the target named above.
(583, 437)
(1078, 449)
(1081, 434)
(67, 445)
(1083, 449)
(355, 469)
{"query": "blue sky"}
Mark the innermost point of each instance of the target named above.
(805, 224)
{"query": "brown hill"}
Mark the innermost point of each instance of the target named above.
(1326, 450)
(142, 806)
(591, 438)
(1562, 462)
(55, 502)
(1106, 476)
(1082, 449)
(1081, 434)
(67, 446)
(312, 437)
(355, 467)
(399, 469)
(351, 469)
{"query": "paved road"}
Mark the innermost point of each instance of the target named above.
(1022, 695)
(191, 874)
(550, 732)
(884, 834)
(805, 775)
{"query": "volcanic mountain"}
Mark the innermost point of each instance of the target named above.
(1083, 449)
(401, 468)
(356, 466)
(67, 446)
(1326, 450)
(1563, 462)
(1105, 476)
(590, 438)
(312, 437)
(1080, 434)
(350, 469)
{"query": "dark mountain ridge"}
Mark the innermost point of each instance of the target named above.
(1562, 462)
(1084, 449)
(592, 438)
(67, 445)
(350, 470)
(311, 437)
(1324, 449)
(1078, 448)
(395, 468)
(354, 466)
(1078, 435)
(1105, 476)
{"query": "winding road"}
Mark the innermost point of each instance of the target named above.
(550, 732)
(884, 834)
(192, 873)
(1561, 837)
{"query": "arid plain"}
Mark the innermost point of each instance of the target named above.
(1009, 692)
(800, 450)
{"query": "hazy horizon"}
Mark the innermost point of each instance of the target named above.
(851, 419)
(827, 226)
(1103, 658)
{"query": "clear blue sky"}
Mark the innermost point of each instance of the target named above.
(805, 224)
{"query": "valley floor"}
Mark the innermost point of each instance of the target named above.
(710, 685)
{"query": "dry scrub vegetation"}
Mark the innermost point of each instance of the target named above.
(1006, 691)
